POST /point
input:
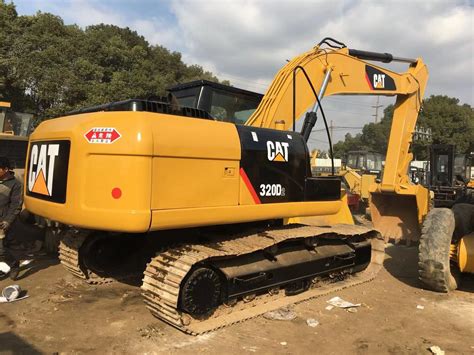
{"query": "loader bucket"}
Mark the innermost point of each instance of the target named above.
(395, 216)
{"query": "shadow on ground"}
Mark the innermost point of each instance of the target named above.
(402, 264)
(467, 283)
(11, 343)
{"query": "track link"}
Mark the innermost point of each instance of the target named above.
(166, 271)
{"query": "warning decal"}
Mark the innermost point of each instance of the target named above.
(102, 135)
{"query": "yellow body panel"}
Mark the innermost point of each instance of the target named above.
(96, 169)
(175, 136)
(192, 159)
(465, 251)
(103, 173)
(188, 183)
(172, 171)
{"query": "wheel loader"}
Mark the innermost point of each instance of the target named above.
(446, 247)
(210, 201)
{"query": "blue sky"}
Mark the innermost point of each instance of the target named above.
(132, 8)
(148, 17)
(248, 41)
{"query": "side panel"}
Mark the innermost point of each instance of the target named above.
(195, 164)
(108, 184)
(166, 172)
(116, 183)
(184, 137)
(275, 165)
(187, 183)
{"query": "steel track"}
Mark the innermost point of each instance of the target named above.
(166, 271)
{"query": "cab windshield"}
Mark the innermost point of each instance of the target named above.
(365, 161)
(224, 103)
(16, 123)
(231, 108)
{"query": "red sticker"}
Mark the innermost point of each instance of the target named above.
(102, 135)
(116, 193)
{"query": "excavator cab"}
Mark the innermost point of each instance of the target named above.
(222, 102)
(365, 162)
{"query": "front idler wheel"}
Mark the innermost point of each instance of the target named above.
(201, 292)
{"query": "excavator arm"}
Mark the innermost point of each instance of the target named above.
(300, 86)
(290, 94)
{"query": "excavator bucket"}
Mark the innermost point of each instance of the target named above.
(395, 216)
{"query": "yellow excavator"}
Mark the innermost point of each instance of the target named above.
(446, 248)
(208, 201)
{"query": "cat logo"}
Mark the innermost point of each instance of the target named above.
(41, 169)
(379, 81)
(277, 151)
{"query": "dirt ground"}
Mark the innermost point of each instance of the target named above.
(64, 315)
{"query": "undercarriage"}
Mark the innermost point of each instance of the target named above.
(218, 279)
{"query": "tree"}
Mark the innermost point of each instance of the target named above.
(449, 122)
(8, 17)
(49, 68)
(341, 148)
